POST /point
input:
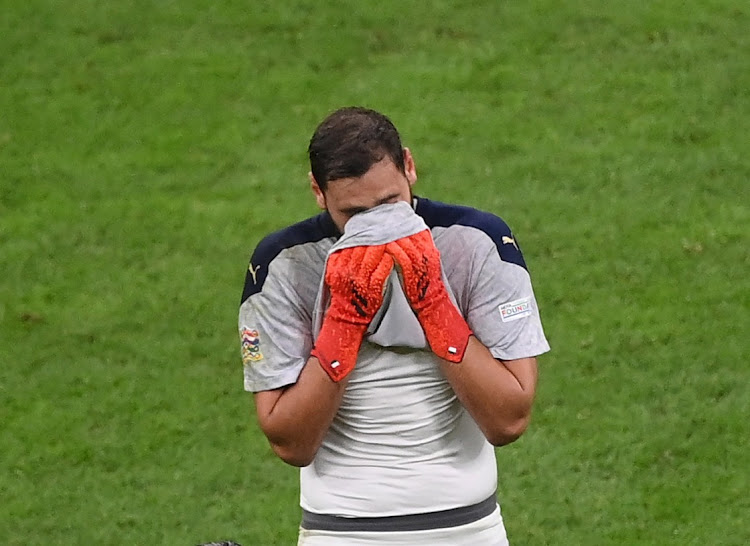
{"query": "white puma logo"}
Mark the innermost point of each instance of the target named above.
(509, 241)
(254, 272)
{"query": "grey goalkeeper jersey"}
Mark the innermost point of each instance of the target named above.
(401, 442)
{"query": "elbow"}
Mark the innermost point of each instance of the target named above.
(293, 449)
(508, 432)
(298, 456)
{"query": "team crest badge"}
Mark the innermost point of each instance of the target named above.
(250, 345)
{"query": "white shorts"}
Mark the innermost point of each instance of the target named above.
(488, 531)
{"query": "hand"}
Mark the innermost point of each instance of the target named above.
(356, 278)
(444, 327)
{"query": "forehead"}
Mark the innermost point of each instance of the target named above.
(384, 179)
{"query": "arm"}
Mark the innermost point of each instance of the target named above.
(295, 419)
(498, 394)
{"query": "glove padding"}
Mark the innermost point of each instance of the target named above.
(419, 261)
(356, 279)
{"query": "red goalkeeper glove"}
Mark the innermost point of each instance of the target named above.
(356, 278)
(444, 327)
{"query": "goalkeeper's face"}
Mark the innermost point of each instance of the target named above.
(383, 183)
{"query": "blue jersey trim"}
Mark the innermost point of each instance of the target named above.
(310, 230)
(437, 214)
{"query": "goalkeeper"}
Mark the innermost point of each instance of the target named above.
(392, 410)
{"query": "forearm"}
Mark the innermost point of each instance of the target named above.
(295, 419)
(498, 395)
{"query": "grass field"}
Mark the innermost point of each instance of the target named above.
(145, 147)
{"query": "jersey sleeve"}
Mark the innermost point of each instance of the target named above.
(502, 310)
(274, 325)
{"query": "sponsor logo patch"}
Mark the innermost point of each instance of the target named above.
(250, 345)
(514, 310)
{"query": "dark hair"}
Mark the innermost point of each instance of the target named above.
(350, 141)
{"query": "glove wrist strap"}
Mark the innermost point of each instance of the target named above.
(445, 329)
(337, 347)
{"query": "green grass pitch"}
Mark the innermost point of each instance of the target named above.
(145, 147)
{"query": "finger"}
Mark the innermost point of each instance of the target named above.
(398, 253)
(372, 257)
(414, 264)
(422, 240)
(334, 266)
(334, 260)
(426, 244)
(354, 255)
(383, 269)
(412, 249)
(424, 237)
(342, 261)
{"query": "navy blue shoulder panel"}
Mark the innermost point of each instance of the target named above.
(310, 230)
(437, 214)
